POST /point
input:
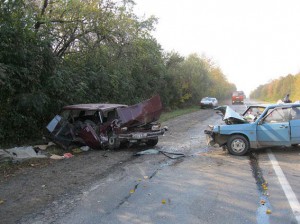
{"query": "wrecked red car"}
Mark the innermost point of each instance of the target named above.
(107, 125)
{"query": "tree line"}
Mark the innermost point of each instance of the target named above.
(55, 53)
(277, 89)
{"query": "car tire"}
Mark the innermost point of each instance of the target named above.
(113, 142)
(295, 145)
(237, 145)
(152, 142)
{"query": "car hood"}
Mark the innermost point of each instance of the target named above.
(230, 116)
(142, 113)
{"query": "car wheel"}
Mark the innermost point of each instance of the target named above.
(152, 141)
(237, 145)
(113, 142)
(295, 145)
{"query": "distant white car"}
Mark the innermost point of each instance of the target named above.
(208, 102)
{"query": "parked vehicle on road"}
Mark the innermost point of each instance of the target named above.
(107, 125)
(238, 97)
(259, 126)
(208, 102)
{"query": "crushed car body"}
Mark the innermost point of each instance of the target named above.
(259, 126)
(107, 125)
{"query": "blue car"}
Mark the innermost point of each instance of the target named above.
(259, 126)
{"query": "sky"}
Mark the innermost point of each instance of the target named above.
(253, 42)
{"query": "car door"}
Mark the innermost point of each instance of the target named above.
(295, 125)
(274, 129)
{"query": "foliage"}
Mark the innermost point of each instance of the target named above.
(277, 89)
(55, 53)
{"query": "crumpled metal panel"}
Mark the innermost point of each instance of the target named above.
(230, 114)
(142, 113)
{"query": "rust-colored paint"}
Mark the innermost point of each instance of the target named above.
(90, 137)
(142, 113)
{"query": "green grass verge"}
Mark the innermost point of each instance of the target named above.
(175, 113)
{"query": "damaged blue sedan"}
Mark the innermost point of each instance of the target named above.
(259, 126)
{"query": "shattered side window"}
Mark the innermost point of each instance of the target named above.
(295, 113)
(66, 114)
(278, 115)
(252, 113)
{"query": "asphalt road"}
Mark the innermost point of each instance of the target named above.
(206, 186)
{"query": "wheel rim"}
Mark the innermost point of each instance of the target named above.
(238, 145)
(111, 140)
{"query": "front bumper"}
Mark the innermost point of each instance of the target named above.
(142, 135)
(210, 141)
(206, 105)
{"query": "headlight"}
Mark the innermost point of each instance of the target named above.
(124, 129)
(155, 127)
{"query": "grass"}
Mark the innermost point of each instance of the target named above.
(175, 113)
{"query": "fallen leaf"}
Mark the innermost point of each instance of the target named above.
(163, 201)
(131, 191)
(269, 211)
(1, 202)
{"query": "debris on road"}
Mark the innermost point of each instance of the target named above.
(67, 155)
(57, 157)
(21, 153)
(43, 147)
(148, 152)
(171, 155)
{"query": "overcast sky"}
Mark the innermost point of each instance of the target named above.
(253, 41)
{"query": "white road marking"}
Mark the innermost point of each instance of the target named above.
(289, 193)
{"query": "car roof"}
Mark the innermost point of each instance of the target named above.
(208, 97)
(283, 105)
(93, 106)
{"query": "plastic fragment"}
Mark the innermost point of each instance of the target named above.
(54, 156)
(68, 155)
(85, 148)
(76, 150)
(262, 202)
(146, 177)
